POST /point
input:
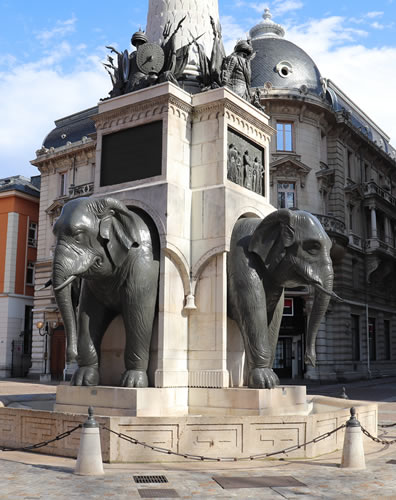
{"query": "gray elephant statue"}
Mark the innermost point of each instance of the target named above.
(288, 248)
(111, 249)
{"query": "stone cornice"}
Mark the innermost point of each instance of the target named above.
(156, 106)
(225, 106)
(50, 157)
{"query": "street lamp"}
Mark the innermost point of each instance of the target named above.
(46, 330)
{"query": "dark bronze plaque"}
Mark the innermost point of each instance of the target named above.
(245, 162)
(131, 154)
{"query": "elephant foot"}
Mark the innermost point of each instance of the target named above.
(134, 378)
(86, 375)
(263, 378)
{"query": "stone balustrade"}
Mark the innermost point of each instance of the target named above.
(81, 190)
(371, 188)
(332, 224)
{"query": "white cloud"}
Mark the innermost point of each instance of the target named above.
(61, 29)
(365, 74)
(38, 93)
(283, 6)
(374, 14)
(231, 31)
(377, 26)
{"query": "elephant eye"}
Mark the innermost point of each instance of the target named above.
(312, 247)
(78, 235)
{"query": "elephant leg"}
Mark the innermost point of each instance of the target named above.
(139, 311)
(93, 320)
(258, 338)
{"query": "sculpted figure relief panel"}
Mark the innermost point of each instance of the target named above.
(245, 163)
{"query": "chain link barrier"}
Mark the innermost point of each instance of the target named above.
(386, 426)
(43, 443)
(376, 439)
(190, 456)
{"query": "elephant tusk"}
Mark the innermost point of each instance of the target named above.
(65, 283)
(333, 295)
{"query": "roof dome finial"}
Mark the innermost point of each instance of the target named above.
(267, 14)
(267, 28)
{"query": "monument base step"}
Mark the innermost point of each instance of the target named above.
(180, 401)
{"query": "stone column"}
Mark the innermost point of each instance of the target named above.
(198, 14)
(373, 222)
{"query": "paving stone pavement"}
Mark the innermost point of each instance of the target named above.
(35, 476)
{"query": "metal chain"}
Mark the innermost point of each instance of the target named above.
(43, 443)
(384, 426)
(222, 459)
(377, 440)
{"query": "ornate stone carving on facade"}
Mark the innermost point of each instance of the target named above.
(245, 163)
(325, 177)
(290, 168)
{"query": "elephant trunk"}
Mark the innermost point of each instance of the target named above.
(65, 304)
(319, 307)
(62, 276)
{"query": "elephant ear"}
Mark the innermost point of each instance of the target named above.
(273, 236)
(118, 229)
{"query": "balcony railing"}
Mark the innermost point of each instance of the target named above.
(332, 225)
(356, 241)
(81, 190)
(374, 244)
(371, 188)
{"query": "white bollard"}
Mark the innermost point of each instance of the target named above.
(353, 451)
(89, 460)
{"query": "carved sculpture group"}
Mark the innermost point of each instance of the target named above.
(152, 63)
(244, 170)
(113, 251)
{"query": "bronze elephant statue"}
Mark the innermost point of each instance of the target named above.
(288, 248)
(111, 249)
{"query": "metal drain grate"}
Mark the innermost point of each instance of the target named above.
(158, 493)
(228, 483)
(150, 479)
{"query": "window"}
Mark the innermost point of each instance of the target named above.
(284, 136)
(63, 184)
(286, 194)
(350, 173)
(30, 273)
(350, 207)
(355, 331)
(32, 234)
(372, 340)
(387, 340)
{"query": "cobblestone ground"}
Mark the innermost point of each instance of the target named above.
(327, 481)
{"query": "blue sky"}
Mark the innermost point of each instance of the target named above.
(51, 53)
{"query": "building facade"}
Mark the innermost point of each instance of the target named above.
(19, 203)
(331, 159)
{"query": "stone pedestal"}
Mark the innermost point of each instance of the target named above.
(194, 206)
(157, 402)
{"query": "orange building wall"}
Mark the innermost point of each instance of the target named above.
(28, 212)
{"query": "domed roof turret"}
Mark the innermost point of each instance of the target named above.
(279, 63)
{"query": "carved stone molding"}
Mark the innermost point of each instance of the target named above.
(289, 167)
(325, 178)
(77, 154)
(143, 110)
(373, 263)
